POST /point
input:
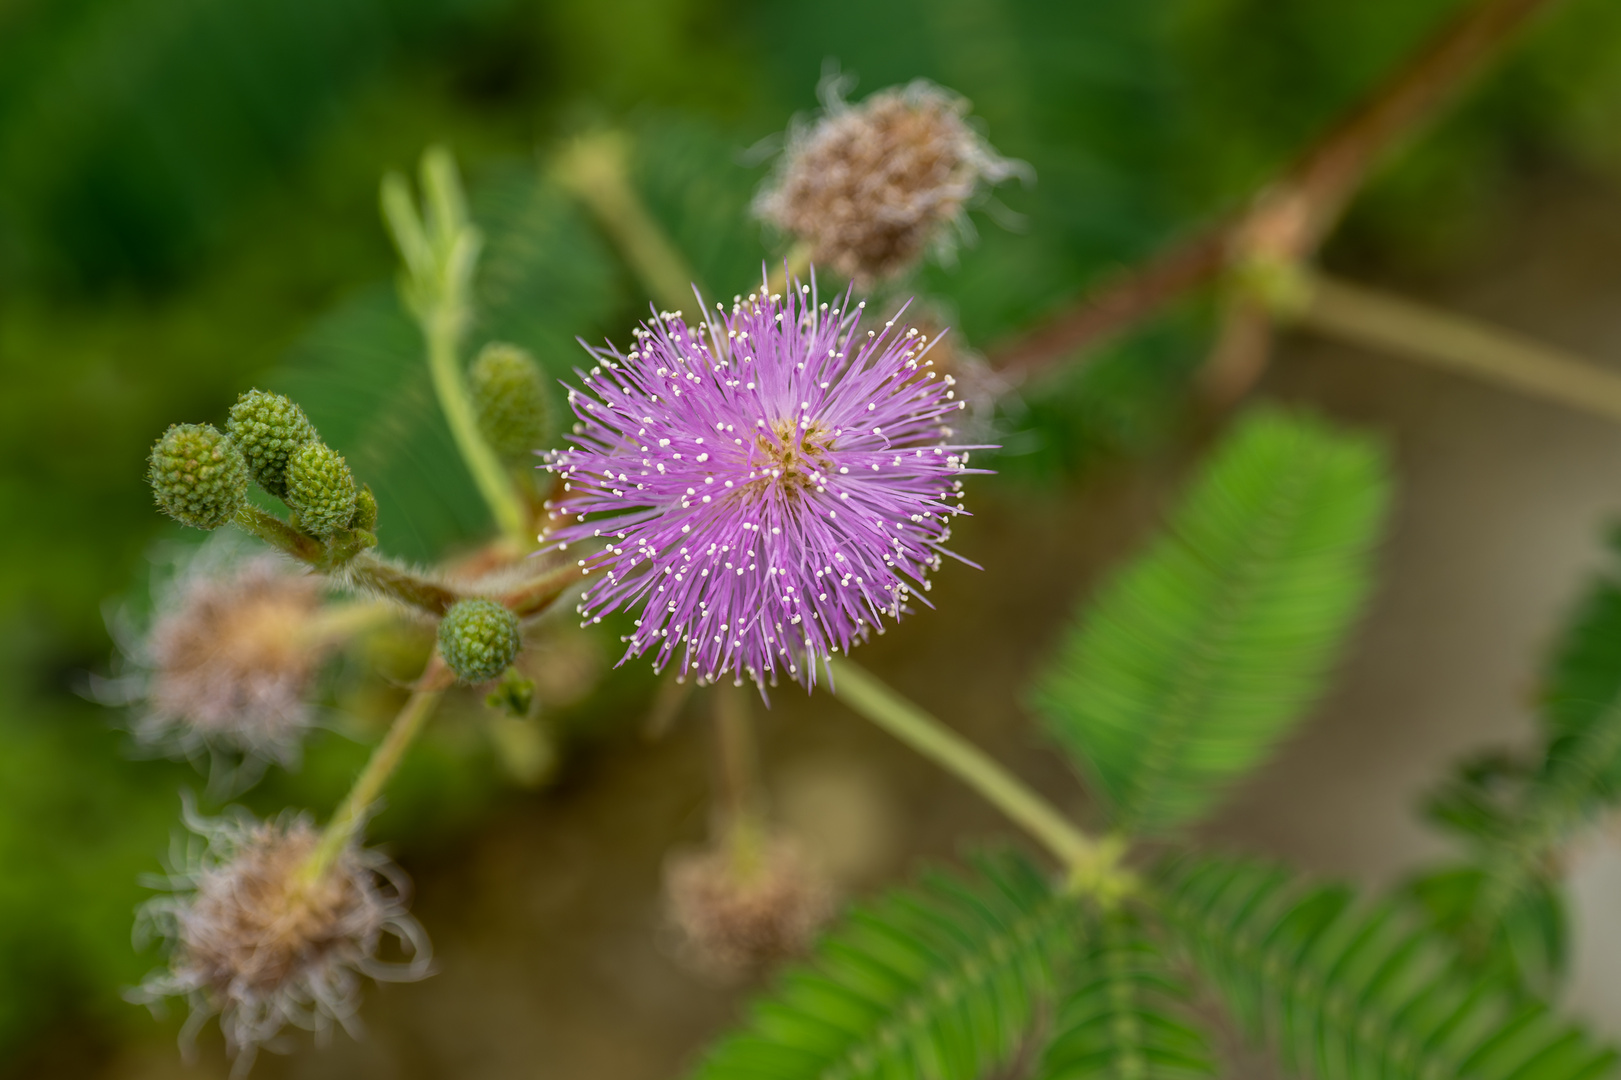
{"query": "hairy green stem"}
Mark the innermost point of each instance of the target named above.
(351, 815)
(1415, 332)
(336, 623)
(279, 535)
(595, 169)
(1093, 863)
(539, 593)
(441, 327)
(373, 573)
(439, 246)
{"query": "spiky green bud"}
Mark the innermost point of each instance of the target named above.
(478, 639)
(270, 429)
(198, 475)
(320, 489)
(509, 394)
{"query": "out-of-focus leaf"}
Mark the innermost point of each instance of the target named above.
(1198, 657)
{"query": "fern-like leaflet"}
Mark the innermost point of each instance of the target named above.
(1198, 657)
(1121, 1017)
(938, 982)
(1517, 813)
(1346, 990)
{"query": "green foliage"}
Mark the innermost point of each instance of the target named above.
(1584, 685)
(1200, 655)
(1506, 918)
(269, 429)
(320, 489)
(78, 826)
(479, 639)
(134, 130)
(1516, 814)
(1502, 908)
(509, 395)
(1122, 1016)
(198, 475)
(1344, 989)
(937, 982)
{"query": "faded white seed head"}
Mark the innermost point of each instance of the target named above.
(254, 941)
(229, 661)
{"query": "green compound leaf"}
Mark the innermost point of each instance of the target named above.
(1516, 813)
(1579, 710)
(937, 982)
(1345, 990)
(1122, 1016)
(1507, 920)
(1198, 657)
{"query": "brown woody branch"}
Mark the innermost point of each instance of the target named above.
(1290, 217)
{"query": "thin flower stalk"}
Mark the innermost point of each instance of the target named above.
(1093, 864)
(351, 815)
(1453, 342)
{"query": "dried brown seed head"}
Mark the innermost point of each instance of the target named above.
(735, 921)
(256, 942)
(873, 187)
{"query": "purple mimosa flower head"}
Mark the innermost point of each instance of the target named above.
(769, 484)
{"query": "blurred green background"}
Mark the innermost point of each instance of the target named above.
(187, 208)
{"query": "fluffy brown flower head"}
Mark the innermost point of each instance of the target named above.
(230, 658)
(253, 940)
(736, 918)
(873, 187)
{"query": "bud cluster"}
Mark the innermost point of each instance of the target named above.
(200, 475)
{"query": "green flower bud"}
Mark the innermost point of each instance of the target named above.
(509, 394)
(270, 429)
(514, 695)
(365, 519)
(198, 475)
(320, 489)
(478, 639)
